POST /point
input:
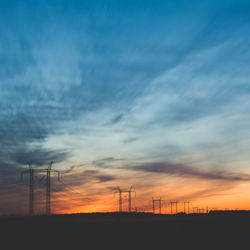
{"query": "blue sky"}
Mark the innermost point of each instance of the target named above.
(108, 86)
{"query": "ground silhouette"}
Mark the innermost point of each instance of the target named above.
(217, 230)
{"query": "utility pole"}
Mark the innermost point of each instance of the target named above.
(31, 172)
(159, 202)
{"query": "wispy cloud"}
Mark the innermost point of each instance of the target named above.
(108, 162)
(112, 81)
(189, 172)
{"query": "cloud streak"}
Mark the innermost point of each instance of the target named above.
(184, 171)
(112, 81)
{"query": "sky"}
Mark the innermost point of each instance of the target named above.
(149, 94)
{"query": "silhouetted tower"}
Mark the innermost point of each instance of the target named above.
(176, 206)
(195, 210)
(48, 205)
(130, 198)
(201, 210)
(31, 188)
(48, 187)
(31, 172)
(188, 210)
(119, 191)
(120, 201)
(159, 202)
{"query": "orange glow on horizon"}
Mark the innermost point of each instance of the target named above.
(232, 198)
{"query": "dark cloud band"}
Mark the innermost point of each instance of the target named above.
(189, 172)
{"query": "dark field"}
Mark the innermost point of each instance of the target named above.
(133, 231)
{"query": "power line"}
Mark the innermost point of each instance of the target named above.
(62, 194)
(69, 187)
(65, 193)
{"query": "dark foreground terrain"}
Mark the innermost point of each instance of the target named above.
(219, 230)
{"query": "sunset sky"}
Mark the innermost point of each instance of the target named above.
(149, 94)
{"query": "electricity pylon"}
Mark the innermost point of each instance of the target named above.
(201, 210)
(195, 210)
(48, 186)
(31, 188)
(31, 172)
(120, 192)
(176, 206)
(186, 202)
(130, 198)
(159, 202)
